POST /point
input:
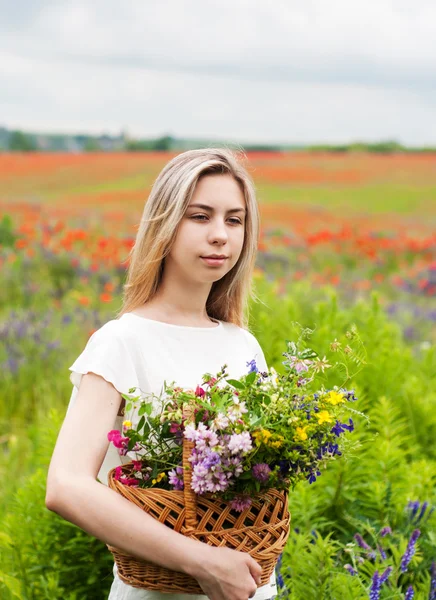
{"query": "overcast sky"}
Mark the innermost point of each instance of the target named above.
(237, 70)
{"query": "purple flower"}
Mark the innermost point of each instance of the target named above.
(280, 581)
(432, 595)
(412, 507)
(175, 478)
(361, 542)
(312, 476)
(382, 552)
(240, 503)
(240, 442)
(212, 459)
(385, 531)
(261, 471)
(374, 592)
(252, 365)
(350, 569)
(341, 427)
(410, 550)
(409, 594)
(385, 575)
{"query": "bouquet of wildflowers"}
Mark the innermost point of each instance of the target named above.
(264, 430)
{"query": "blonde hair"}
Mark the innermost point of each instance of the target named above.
(170, 196)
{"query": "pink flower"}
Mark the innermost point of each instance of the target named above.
(240, 503)
(175, 427)
(240, 442)
(118, 476)
(118, 441)
(199, 391)
(212, 381)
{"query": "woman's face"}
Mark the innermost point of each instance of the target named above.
(216, 227)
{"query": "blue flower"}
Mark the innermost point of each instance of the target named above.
(374, 592)
(432, 595)
(350, 569)
(410, 550)
(252, 365)
(339, 428)
(312, 478)
(385, 575)
(409, 594)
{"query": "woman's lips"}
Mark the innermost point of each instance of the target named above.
(214, 261)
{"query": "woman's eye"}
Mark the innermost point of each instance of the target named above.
(202, 217)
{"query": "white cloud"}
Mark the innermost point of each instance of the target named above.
(246, 71)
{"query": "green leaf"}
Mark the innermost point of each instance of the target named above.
(5, 540)
(148, 408)
(12, 583)
(251, 377)
(141, 423)
(237, 384)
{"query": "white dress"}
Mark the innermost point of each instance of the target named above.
(133, 351)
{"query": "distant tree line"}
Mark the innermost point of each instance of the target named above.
(20, 141)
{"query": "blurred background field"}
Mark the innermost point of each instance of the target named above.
(346, 238)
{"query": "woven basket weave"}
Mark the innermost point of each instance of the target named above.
(261, 530)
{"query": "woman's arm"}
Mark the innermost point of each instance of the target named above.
(74, 494)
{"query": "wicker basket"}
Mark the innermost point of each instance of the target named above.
(261, 530)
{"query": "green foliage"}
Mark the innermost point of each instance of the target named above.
(392, 460)
(7, 236)
(21, 142)
(42, 556)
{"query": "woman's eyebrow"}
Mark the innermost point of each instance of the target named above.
(206, 207)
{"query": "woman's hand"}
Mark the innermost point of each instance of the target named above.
(226, 574)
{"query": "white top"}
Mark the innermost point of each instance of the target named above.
(133, 351)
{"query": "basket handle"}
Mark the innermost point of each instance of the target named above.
(189, 495)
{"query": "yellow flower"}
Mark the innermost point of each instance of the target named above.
(301, 434)
(324, 417)
(335, 398)
(127, 424)
(158, 478)
(277, 442)
(262, 437)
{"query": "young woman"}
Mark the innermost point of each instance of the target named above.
(184, 314)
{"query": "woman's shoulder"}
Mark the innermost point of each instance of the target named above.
(117, 330)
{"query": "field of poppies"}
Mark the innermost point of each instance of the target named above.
(346, 238)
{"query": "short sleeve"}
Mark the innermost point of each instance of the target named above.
(107, 354)
(256, 352)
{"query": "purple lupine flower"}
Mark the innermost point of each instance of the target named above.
(422, 511)
(252, 365)
(409, 594)
(382, 551)
(361, 542)
(413, 507)
(261, 471)
(374, 592)
(432, 595)
(350, 569)
(385, 575)
(280, 581)
(385, 531)
(410, 550)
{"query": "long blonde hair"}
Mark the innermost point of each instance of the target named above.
(170, 196)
